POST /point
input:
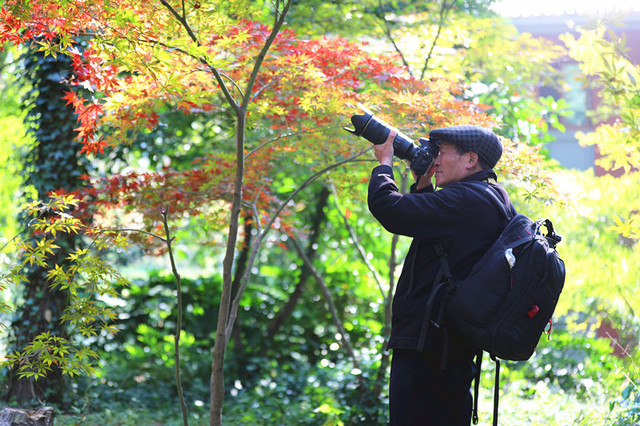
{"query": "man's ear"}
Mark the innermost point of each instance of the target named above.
(473, 160)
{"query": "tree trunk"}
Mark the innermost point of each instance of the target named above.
(14, 416)
(220, 345)
(38, 314)
(52, 164)
(241, 267)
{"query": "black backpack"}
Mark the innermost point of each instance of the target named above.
(506, 302)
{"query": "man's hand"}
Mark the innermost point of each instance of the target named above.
(384, 152)
(425, 179)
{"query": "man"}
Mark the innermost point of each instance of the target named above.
(423, 390)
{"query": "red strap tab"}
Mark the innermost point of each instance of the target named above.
(533, 311)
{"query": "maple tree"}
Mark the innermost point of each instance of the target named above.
(289, 98)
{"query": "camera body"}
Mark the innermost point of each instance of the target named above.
(376, 131)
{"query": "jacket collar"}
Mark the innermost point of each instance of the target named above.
(482, 175)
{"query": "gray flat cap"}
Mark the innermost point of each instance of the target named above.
(478, 139)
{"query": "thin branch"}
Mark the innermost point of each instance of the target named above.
(182, 19)
(207, 69)
(15, 237)
(330, 305)
(184, 10)
(263, 234)
(275, 13)
(263, 52)
(629, 379)
(176, 339)
(141, 231)
(286, 135)
(309, 181)
(225, 90)
(387, 32)
(444, 10)
(356, 242)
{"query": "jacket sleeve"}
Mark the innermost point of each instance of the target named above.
(424, 214)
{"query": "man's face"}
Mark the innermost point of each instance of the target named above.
(450, 166)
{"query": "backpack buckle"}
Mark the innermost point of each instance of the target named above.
(552, 238)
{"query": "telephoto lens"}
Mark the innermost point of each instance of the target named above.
(376, 131)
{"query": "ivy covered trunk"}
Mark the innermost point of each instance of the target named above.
(52, 164)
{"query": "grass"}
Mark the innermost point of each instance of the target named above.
(545, 406)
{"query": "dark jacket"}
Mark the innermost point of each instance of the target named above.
(459, 216)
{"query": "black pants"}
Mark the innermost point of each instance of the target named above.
(422, 394)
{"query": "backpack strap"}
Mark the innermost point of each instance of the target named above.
(449, 288)
(496, 196)
(476, 386)
(496, 391)
(496, 388)
(499, 204)
(440, 290)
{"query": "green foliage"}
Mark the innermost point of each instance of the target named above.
(572, 363)
(629, 403)
(370, 18)
(85, 278)
(37, 358)
(262, 373)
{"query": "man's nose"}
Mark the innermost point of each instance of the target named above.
(437, 160)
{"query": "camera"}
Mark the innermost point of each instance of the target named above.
(376, 131)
